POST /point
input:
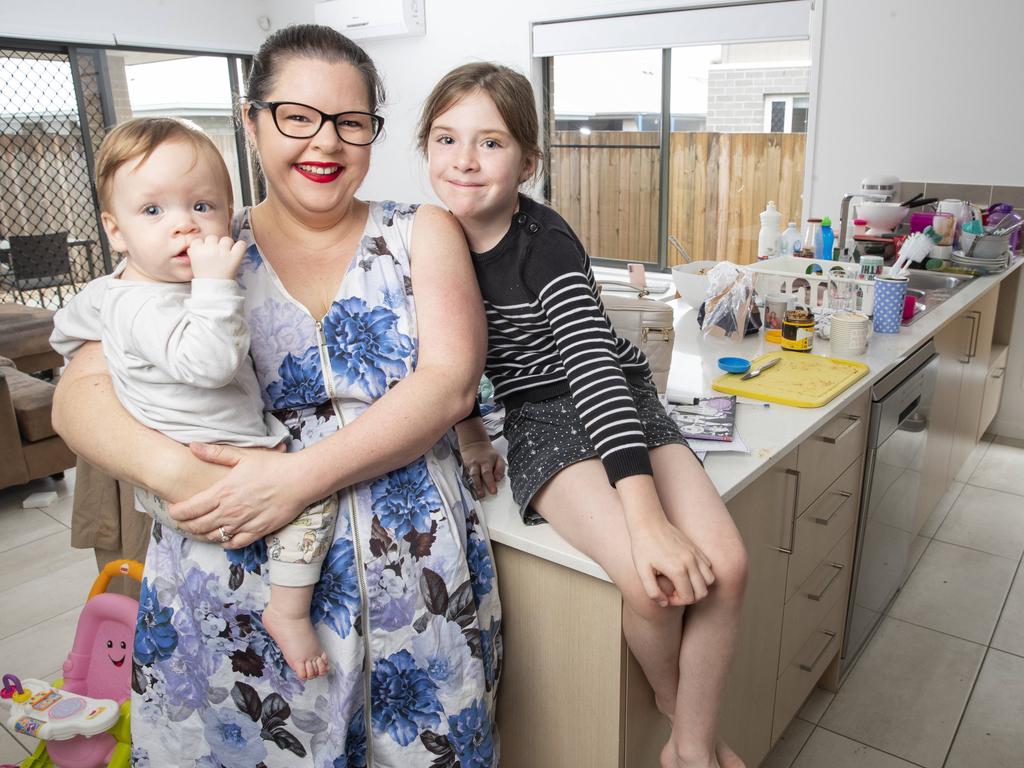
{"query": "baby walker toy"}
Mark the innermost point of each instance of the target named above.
(82, 720)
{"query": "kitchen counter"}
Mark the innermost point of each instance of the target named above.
(769, 433)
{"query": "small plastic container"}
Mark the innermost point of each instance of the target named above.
(828, 239)
(734, 364)
(812, 236)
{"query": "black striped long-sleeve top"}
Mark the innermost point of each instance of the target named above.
(548, 334)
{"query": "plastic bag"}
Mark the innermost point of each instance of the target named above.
(729, 309)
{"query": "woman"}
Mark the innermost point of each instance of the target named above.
(368, 340)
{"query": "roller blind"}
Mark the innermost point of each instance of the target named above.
(787, 20)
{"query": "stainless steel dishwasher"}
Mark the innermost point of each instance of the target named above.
(897, 432)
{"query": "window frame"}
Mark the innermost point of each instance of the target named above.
(815, 26)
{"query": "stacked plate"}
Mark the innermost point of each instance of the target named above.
(983, 265)
(849, 334)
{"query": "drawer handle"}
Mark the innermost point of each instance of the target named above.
(854, 420)
(998, 374)
(843, 496)
(828, 641)
(792, 517)
(837, 568)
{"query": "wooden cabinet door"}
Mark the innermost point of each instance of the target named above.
(981, 317)
(764, 513)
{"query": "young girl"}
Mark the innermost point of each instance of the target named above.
(591, 449)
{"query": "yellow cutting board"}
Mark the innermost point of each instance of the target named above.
(800, 379)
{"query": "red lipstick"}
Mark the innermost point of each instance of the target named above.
(330, 171)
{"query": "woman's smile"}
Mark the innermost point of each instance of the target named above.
(321, 173)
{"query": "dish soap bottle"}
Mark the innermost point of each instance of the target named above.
(790, 244)
(768, 237)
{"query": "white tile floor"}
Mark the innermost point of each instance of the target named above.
(941, 685)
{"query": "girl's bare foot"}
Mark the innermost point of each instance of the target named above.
(727, 758)
(295, 636)
(670, 758)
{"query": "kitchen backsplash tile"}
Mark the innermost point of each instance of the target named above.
(1012, 195)
(979, 194)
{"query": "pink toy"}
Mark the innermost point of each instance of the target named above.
(99, 666)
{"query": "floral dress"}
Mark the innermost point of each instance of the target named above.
(406, 606)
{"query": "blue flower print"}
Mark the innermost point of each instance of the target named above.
(251, 261)
(355, 743)
(364, 345)
(404, 499)
(300, 382)
(390, 210)
(278, 329)
(336, 595)
(234, 739)
(442, 650)
(155, 638)
(470, 733)
(250, 557)
(391, 591)
(403, 698)
(480, 567)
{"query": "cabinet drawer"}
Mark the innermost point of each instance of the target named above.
(803, 672)
(828, 583)
(993, 390)
(822, 524)
(826, 453)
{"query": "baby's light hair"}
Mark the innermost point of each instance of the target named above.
(139, 137)
(510, 91)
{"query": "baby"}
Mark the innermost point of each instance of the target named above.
(176, 341)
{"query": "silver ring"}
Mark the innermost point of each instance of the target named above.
(224, 535)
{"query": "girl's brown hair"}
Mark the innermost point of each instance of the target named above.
(510, 91)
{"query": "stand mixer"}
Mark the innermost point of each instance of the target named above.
(873, 189)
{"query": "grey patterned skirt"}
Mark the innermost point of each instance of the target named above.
(546, 437)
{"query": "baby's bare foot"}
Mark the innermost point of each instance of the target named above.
(298, 642)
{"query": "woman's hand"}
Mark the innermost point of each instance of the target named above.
(485, 467)
(262, 493)
(671, 567)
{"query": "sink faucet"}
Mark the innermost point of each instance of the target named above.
(844, 213)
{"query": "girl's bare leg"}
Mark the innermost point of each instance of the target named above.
(586, 511)
(692, 504)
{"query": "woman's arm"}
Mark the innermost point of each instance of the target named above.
(94, 424)
(401, 426)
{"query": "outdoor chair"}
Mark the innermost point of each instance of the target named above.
(38, 262)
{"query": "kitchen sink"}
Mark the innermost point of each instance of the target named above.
(931, 289)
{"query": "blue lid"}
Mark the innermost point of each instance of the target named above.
(734, 364)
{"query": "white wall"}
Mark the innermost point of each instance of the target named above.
(226, 26)
(922, 89)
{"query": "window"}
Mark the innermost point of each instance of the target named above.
(683, 140)
(786, 114)
(57, 103)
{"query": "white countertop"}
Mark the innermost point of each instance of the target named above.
(770, 433)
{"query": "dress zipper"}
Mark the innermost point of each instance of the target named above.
(364, 608)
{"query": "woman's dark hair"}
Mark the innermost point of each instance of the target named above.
(310, 41)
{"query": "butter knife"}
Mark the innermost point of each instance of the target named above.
(762, 369)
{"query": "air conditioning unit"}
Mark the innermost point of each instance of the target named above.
(372, 19)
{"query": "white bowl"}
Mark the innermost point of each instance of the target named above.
(988, 247)
(882, 218)
(691, 281)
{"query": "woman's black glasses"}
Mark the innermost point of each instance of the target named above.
(301, 121)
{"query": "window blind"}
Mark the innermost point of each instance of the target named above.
(757, 22)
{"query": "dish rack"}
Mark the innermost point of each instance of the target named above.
(810, 278)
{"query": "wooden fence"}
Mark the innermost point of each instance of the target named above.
(606, 185)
